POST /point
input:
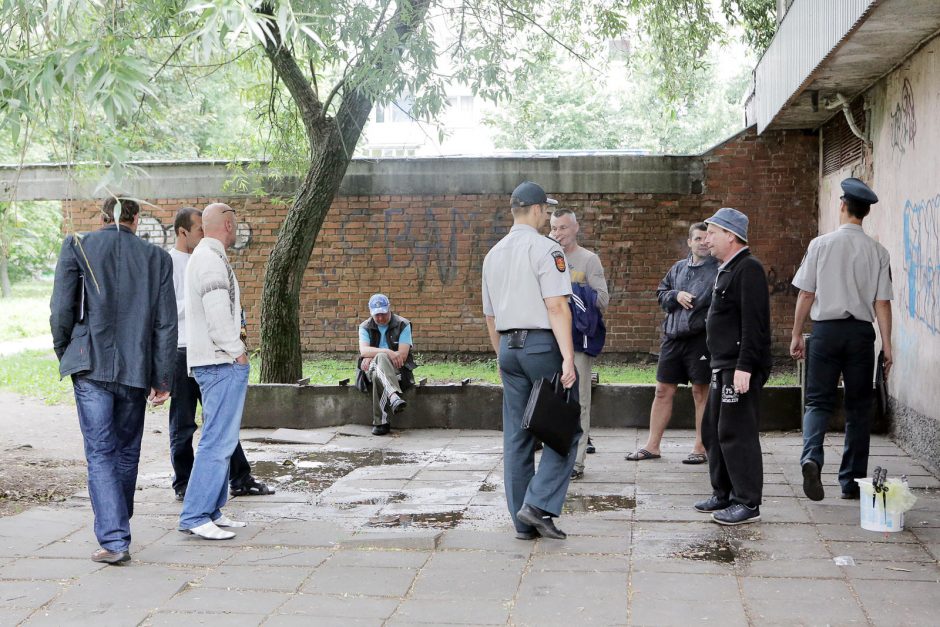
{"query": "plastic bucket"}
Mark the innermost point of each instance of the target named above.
(874, 517)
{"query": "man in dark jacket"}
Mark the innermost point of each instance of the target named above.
(685, 294)
(385, 362)
(738, 328)
(114, 331)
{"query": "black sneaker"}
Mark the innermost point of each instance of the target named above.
(397, 404)
(577, 474)
(711, 504)
(737, 514)
(381, 429)
(850, 496)
(812, 485)
(180, 495)
(590, 450)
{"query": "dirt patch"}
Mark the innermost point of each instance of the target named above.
(26, 481)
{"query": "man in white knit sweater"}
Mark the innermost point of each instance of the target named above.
(217, 359)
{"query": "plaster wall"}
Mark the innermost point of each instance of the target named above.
(902, 168)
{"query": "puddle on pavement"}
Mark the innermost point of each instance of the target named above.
(391, 497)
(722, 550)
(316, 471)
(581, 503)
(436, 520)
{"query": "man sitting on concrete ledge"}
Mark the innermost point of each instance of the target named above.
(385, 362)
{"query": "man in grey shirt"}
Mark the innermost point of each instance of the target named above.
(845, 284)
(586, 270)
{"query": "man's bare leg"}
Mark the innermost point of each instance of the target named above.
(700, 396)
(660, 413)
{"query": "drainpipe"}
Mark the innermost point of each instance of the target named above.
(839, 101)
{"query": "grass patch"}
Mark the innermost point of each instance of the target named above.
(36, 374)
(27, 313)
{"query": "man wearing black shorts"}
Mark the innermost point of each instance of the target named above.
(685, 294)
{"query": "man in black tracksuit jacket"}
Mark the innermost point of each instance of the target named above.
(738, 331)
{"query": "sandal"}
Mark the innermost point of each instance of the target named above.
(252, 487)
(641, 455)
(695, 458)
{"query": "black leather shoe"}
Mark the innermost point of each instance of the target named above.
(397, 404)
(527, 535)
(541, 521)
(711, 504)
(180, 495)
(577, 474)
(812, 485)
(381, 429)
(737, 514)
(849, 496)
(590, 450)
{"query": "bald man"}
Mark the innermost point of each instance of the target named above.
(217, 359)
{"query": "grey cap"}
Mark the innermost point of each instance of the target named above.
(730, 220)
(858, 191)
(528, 193)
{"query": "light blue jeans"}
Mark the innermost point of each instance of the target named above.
(223, 389)
(111, 417)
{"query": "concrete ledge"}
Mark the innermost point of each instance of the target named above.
(479, 406)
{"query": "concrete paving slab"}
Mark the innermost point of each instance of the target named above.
(577, 544)
(881, 551)
(899, 604)
(279, 556)
(10, 616)
(197, 554)
(646, 611)
(359, 580)
(75, 616)
(583, 585)
(174, 619)
(344, 605)
(468, 539)
(269, 578)
(567, 610)
(48, 568)
(302, 533)
(459, 611)
(822, 602)
(380, 558)
(404, 540)
(892, 571)
(295, 620)
(584, 563)
(807, 568)
(27, 594)
(132, 586)
(301, 436)
(202, 599)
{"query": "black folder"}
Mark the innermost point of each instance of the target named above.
(551, 415)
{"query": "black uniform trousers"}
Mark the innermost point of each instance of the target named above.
(731, 433)
(183, 401)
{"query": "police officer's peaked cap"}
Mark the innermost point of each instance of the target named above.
(529, 193)
(858, 191)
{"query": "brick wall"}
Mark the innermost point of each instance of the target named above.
(426, 252)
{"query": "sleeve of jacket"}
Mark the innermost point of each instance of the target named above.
(755, 318)
(598, 282)
(213, 289)
(62, 304)
(163, 347)
(666, 292)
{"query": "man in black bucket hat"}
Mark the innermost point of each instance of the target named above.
(738, 336)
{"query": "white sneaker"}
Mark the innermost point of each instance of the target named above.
(225, 521)
(210, 531)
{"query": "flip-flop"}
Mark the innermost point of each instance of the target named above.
(640, 455)
(695, 458)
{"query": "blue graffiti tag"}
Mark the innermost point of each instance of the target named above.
(922, 262)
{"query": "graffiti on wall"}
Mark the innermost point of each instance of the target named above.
(778, 283)
(155, 232)
(903, 120)
(920, 285)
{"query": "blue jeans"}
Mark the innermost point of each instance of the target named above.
(111, 417)
(223, 390)
(845, 347)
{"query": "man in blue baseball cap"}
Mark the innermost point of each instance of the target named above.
(385, 361)
(845, 285)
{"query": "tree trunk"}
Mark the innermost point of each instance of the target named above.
(5, 288)
(281, 360)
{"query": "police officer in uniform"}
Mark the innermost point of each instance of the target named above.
(845, 284)
(526, 285)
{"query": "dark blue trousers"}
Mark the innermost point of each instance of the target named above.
(546, 487)
(846, 348)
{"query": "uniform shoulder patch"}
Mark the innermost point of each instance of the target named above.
(559, 257)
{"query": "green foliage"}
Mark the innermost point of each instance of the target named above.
(621, 107)
(29, 237)
(35, 374)
(26, 314)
